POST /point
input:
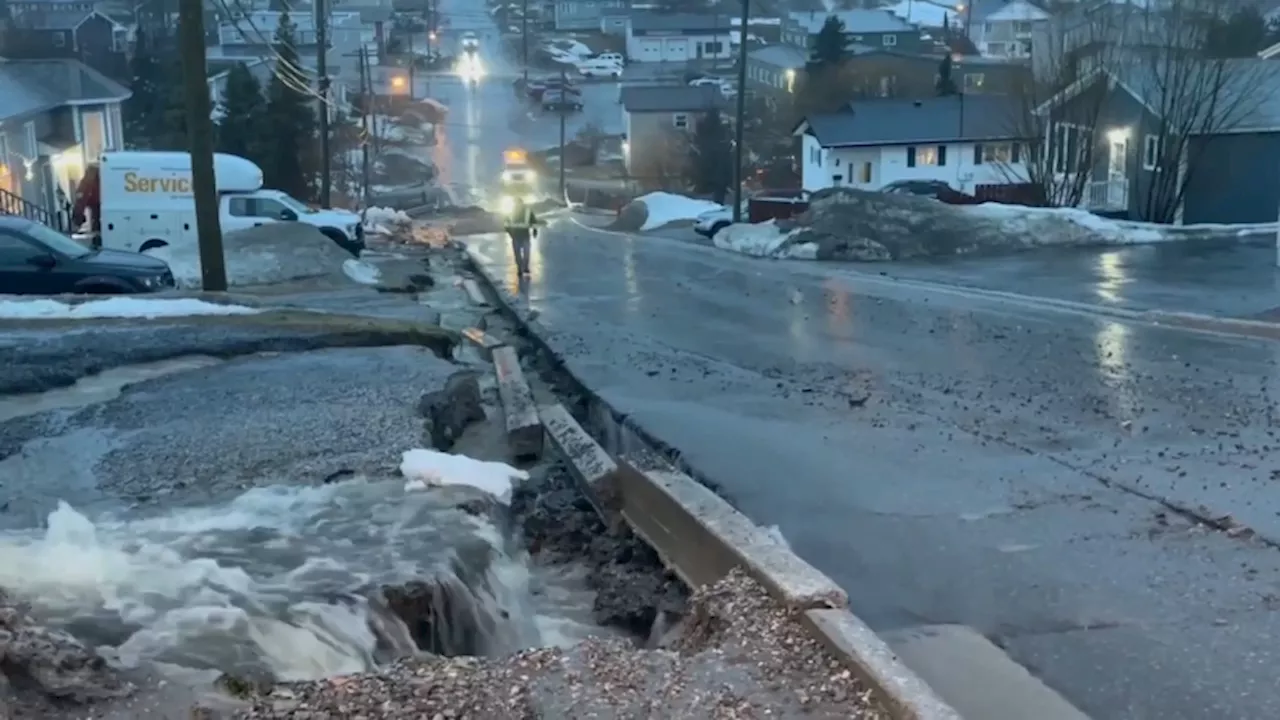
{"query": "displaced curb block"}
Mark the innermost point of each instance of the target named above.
(595, 472)
(524, 429)
(703, 538)
(876, 665)
(483, 341)
(474, 294)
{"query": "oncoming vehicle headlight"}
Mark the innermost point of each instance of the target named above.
(507, 176)
(507, 205)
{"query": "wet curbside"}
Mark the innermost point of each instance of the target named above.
(701, 537)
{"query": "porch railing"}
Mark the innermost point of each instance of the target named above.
(1107, 195)
(14, 204)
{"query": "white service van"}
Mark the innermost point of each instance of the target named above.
(146, 202)
(596, 67)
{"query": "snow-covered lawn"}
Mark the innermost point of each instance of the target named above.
(1120, 232)
(666, 208)
(424, 468)
(116, 307)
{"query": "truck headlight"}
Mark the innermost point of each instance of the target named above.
(506, 176)
(507, 205)
(351, 231)
(530, 199)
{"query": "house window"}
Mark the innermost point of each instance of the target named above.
(712, 48)
(1022, 28)
(119, 40)
(889, 40)
(59, 39)
(1150, 152)
(988, 28)
(815, 156)
(996, 153)
(680, 120)
(864, 175)
(888, 84)
(927, 156)
(857, 38)
(974, 82)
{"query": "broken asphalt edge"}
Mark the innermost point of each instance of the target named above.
(700, 536)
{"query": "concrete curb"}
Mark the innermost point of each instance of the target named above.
(483, 342)
(524, 429)
(474, 293)
(701, 538)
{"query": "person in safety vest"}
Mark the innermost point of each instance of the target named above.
(521, 224)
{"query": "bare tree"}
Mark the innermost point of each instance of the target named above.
(1193, 98)
(1070, 59)
(663, 164)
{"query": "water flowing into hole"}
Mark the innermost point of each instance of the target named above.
(289, 582)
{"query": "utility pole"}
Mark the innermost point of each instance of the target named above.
(366, 93)
(322, 70)
(740, 125)
(524, 39)
(564, 97)
(413, 60)
(429, 15)
(213, 268)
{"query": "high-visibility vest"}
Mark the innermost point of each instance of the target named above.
(521, 221)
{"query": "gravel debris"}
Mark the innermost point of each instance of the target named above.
(736, 655)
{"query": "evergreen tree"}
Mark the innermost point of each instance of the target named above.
(171, 126)
(143, 120)
(711, 169)
(289, 157)
(823, 88)
(244, 116)
(1241, 35)
(946, 81)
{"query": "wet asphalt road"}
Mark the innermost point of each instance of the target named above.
(486, 118)
(954, 459)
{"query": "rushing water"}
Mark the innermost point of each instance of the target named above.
(286, 581)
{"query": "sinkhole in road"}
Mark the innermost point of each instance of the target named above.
(296, 582)
(106, 385)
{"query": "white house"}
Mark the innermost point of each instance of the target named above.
(1004, 28)
(679, 38)
(967, 142)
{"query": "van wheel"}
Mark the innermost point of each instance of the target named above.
(338, 237)
(152, 245)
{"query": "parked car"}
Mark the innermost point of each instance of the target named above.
(725, 87)
(713, 221)
(535, 89)
(611, 57)
(561, 101)
(38, 260)
(600, 68)
(922, 188)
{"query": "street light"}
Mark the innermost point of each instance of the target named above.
(791, 80)
(399, 84)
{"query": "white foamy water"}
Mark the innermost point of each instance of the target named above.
(285, 581)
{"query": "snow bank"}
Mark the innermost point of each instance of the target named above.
(116, 307)
(387, 216)
(424, 468)
(361, 272)
(272, 253)
(656, 209)
(1118, 232)
(763, 240)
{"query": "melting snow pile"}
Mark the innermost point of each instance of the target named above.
(117, 307)
(861, 226)
(272, 253)
(361, 272)
(656, 209)
(424, 468)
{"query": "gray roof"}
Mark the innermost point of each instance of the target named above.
(653, 22)
(33, 86)
(1243, 94)
(855, 21)
(378, 14)
(671, 98)
(779, 56)
(930, 120)
(53, 19)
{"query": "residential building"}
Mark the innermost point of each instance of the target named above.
(249, 36)
(652, 115)
(1004, 28)
(56, 117)
(89, 36)
(775, 68)
(887, 73)
(1144, 144)
(586, 14)
(971, 143)
(653, 37)
(867, 30)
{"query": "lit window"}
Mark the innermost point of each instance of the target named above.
(926, 156)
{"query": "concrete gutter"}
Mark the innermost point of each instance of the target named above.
(699, 535)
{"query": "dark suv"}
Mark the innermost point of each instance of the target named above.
(38, 260)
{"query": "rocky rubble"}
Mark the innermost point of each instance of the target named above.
(737, 655)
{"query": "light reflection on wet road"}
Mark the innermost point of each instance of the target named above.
(998, 475)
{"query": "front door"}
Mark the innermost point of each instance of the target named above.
(1118, 166)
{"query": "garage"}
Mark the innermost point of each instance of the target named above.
(650, 51)
(676, 50)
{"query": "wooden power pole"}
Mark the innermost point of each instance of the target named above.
(322, 71)
(524, 40)
(740, 124)
(213, 267)
(564, 98)
(366, 96)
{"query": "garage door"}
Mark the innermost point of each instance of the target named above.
(650, 50)
(677, 49)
